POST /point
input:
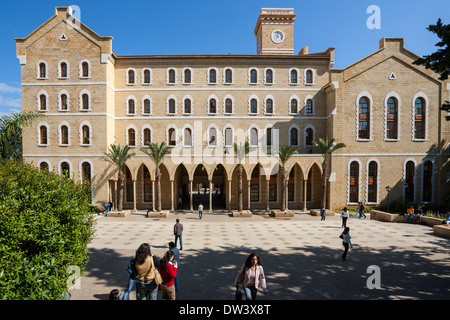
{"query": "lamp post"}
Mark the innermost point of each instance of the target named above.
(388, 189)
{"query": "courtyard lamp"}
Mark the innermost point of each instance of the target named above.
(388, 189)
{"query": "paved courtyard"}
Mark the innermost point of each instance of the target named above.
(300, 255)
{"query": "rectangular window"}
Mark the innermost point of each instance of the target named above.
(254, 192)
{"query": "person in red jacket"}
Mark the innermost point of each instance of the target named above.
(168, 270)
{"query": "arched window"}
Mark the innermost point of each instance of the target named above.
(188, 137)
(148, 192)
(294, 106)
(269, 137)
(293, 137)
(43, 166)
(131, 137)
(228, 76)
(253, 137)
(269, 106)
(363, 118)
(42, 70)
(212, 137)
(43, 102)
(212, 76)
(254, 185)
(253, 76)
(86, 172)
(427, 187)
(131, 76)
(253, 106)
(85, 101)
(269, 76)
(43, 137)
(131, 106)
(64, 102)
(228, 106)
(147, 106)
(354, 182)
(147, 76)
(309, 108)
(187, 106)
(228, 137)
(172, 106)
(419, 119)
(294, 76)
(85, 69)
(63, 70)
(212, 106)
(392, 118)
(410, 173)
(147, 136)
(309, 136)
(187, 76)
(64, 135)
(172, 137)
(309, 76)
(86, 134)
(65, 169)
(372, 182)
(172, 76)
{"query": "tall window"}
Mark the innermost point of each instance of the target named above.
(44, 166)
(409, 181)
(228, 106)
(269, 106)
(309, 136)
(269, 76)
(131, 106)
(146, 76)
(187, 76)
(294, 137)
(171, 76)
(187, 106)
(86, 134)
(43, 139)
(172, 137)
(419, 119)
(254, 185)
(64, 135)
(309, 109)
(64, 104)
(147, 106)
(269, 137)
(354, 182)
(129, 190)
(172, 106)
(86, 172)
(294, 106)
(253, 106)
(212, 106)
(85, 70)
(253, 76)
(291, 185)
(294, 76)
(309, 76)
(392, 118)
(427, 186)
(212, 76)
(273, 188)
(253, 137)
(148, 197)
(228, 76)
(187, 137)
(43, 102)
(65, 169)
(63, 70)
(372, 182)
(131, 76)
(363, 118)
(85, 101)
(228, 136)
(147, 136)
(212, 137)
(42, 70)
(131, 137)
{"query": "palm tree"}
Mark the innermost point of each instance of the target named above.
(157, 153)
(326, 147)
(284, 153)
(11, 133)
(118, 156)
(240, 152)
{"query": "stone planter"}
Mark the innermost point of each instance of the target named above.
(242, 214)
(121, 214)
(431, 221)
(158, 215)
(385, 216)
(442, 230)
(316, 212)
(282, 214)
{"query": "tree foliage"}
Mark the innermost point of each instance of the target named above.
(46, 223)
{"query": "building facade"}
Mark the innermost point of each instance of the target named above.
(384, 108)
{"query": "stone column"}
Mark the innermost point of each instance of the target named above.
(267, 193)
(171, 196)
(134, 196)
(210, 196)
(229, 194)
(304, 194)
(248, 189)
(191, 202)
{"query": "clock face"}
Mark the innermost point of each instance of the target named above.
(277, 36)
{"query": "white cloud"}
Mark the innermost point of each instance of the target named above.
(8, 89)
(6, 112)
(10, 102)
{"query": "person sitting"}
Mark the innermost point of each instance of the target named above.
(410, 214)
(447, 221)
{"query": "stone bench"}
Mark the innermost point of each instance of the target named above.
(386, 216)
(431, 221)
(242, 214)
(282, 214)
(121, 214)
(442, 230)
(316, 212)
(158, 215)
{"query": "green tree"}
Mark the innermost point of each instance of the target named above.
(284, 153)
(11, 133)
(46, 222)
(157, 152)
(240, 152)
(118, 156)
(326, 147)
(439, 61)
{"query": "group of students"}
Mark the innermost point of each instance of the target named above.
(151, 275)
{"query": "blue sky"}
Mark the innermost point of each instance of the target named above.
(221, 27)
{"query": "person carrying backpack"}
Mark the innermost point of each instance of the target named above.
(132, 280)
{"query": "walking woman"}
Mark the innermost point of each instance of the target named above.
(168, 270)
(145, 268)
(252, 276)
(344, 216)
(346, 242)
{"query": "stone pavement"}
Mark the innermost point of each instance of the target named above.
(300, 255)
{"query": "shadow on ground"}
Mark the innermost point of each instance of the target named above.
(296, 273)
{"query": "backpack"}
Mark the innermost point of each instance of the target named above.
(132, 269)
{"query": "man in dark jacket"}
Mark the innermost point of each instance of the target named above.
(178, 231)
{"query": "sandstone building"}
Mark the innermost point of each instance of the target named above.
(383, 108)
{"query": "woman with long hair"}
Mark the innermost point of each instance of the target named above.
(145, 268)
(345, 236)
(251, 276)
(168, 270)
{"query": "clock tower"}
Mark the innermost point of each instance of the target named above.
(274, 31)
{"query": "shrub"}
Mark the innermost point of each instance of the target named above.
(45, 225)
